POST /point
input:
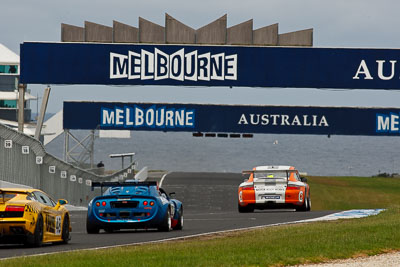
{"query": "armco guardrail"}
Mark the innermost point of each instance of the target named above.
(23, 160)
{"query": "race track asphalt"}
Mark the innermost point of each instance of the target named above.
(210, 205)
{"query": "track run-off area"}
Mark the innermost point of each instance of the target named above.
(210, 206)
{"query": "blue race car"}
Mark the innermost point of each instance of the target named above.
(133, 205)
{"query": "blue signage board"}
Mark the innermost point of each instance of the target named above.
(232, 118)
(193, 65)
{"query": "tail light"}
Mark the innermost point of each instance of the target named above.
(103, 203)
(248, 188)
(98, 204)
(15, 208)
(293, 188)
(151, 203)
(145, 203)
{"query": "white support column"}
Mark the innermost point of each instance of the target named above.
(21, 107)
(43, 108)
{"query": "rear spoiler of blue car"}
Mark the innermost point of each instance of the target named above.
(111, 184)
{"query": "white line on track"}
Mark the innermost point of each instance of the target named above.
(162, 178)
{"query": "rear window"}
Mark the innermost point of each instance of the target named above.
(270, 175)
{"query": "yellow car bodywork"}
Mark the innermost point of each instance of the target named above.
(32, 216)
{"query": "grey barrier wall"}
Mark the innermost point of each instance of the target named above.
(23, 160)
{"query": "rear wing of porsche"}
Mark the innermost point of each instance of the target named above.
(302, 174)
(270, 173)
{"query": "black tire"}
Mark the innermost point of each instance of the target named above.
(165, 226)
(37, 238)
(309, 201)
(303, 207)
(65, 235)
(179, 226)
(91, 229)
(246, 209)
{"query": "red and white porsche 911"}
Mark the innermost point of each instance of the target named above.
(274, 187)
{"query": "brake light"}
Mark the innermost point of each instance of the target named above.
(152, 203)
(293, 188)
(98, 204)
(145, 203)
(15, 208)
(248, 188)
(103, 203)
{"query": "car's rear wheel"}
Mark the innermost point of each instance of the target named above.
(91, 229)
(179, 226)
(304, 206)
(65, 235)
(37, 238)
(309, 201)
(165, 226)
(246, 209)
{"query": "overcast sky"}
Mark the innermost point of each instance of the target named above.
(339, 23)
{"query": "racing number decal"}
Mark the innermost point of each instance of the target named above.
(53, 224)
(58, 225)
(301, 196)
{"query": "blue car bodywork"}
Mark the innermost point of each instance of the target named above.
(133, 205)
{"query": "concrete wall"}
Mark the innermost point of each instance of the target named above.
(123, 33)
(150, 32)
(267, 35)
(98, 33)
(240, 34)
(177, 32)
(213, 33)
(71, 33)
(298, 38)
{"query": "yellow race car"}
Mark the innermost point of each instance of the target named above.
(32, 217)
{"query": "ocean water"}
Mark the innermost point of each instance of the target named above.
(314, 154)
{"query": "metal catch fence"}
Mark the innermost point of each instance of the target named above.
(23, 160)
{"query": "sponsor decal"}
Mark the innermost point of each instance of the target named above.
(181, 65)
(283, 120)
(388, 123)
(152, 117)
(270, 197)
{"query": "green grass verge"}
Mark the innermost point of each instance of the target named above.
(272, 246)
(343, 193)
